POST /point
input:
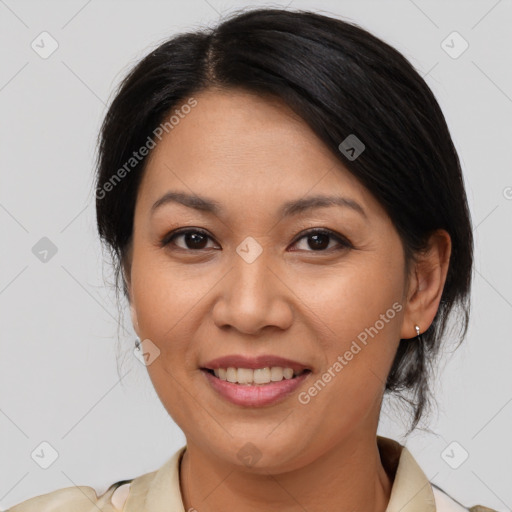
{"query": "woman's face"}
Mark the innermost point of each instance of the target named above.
(248, 280)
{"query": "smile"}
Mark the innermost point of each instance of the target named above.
(258, 376)
(257, 388)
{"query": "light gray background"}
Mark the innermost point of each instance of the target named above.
(59, 379)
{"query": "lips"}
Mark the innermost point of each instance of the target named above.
(262, 361)
(258, 395)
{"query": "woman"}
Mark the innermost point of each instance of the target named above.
(287, 216)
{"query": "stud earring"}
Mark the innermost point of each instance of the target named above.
(417, 332)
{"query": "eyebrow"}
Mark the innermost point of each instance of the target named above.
(288, 209)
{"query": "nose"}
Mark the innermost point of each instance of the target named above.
(253, 296)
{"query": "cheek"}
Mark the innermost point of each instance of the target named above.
(164, 294)
(356, 319)
(166, 301)
(355, 312)
(347, 299)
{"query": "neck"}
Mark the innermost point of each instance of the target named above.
(349, 476)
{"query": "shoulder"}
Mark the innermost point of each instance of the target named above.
(77, 499)
(149, 491)
(412, 491)
(445, 503)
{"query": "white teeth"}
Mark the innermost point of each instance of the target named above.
(288, 373)
(261, 376)
(258, 376)
(276, 373)
(244, 376)
(231, 375)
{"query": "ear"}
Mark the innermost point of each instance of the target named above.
(426, 283)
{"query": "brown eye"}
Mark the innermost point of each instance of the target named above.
(193, 239)
(318, 240)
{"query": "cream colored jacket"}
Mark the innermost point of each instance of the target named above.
(159, 491)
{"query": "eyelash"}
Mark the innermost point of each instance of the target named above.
(343, 241)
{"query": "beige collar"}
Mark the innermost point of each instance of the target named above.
(411, 490)
(159, 491)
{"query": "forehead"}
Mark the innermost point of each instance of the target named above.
(236, 145)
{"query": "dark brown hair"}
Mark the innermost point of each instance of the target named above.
(341, 80)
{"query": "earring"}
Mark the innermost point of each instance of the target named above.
(417, 332)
